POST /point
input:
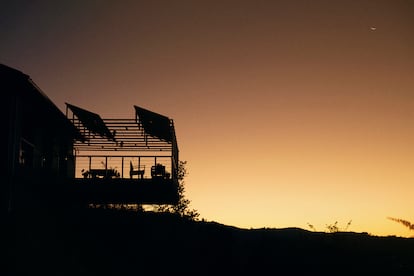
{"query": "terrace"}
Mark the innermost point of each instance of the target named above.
(125, 160)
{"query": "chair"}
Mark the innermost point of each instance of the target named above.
(140, 173)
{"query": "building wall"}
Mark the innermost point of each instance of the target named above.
(39, 144)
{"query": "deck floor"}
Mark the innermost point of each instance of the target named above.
(123, 190)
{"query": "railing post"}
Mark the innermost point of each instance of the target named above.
(172, 168)
(139, 162)
(122, 166)
(106, 166)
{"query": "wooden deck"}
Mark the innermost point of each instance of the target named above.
(124, 161)
(122, 190)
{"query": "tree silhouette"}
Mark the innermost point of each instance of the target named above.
(182, 208)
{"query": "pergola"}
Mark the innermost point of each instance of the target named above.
(131, 160)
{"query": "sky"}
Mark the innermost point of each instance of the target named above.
(287, 112)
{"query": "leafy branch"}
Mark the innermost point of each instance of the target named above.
(406, 223)
(182, 208)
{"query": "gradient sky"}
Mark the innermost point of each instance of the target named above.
(287, 112)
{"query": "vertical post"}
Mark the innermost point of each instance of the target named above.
(139, 162)
(106, 166)
(155, 166)
(122, 166)
(139, 167)
(74, 163)
(90, 162)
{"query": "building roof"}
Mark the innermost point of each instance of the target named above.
(14, 83)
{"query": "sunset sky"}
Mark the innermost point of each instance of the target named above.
(287, 112)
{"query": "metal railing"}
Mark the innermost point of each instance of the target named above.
(131, 166)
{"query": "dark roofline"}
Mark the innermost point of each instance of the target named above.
(12, 73)
(10, 70)
(27, 78)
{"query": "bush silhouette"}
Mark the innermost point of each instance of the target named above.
(182, 208)
(332, 228)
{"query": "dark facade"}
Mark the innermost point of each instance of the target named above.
(39, 143)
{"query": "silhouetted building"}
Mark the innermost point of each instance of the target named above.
(52, 158)
(39, 143)
(133, 160)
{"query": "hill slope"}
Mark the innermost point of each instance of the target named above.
(107, 242)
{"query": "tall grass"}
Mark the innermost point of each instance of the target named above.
(332, 228)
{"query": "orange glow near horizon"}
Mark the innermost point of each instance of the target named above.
(287, 112)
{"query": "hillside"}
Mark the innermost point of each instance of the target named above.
(107, 242)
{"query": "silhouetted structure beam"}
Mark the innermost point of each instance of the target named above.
(91, 121)
(116, 152)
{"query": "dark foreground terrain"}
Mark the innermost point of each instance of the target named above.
(108, 242)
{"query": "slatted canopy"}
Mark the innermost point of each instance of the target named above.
(155, 124)
(148, 131)
(116, 149)
(91, 121)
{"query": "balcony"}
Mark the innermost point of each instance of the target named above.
(124, 160)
